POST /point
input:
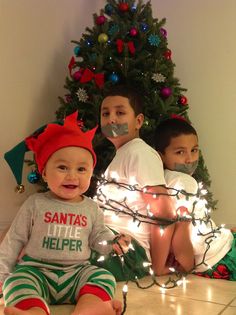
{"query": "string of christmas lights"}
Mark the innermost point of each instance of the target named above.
(200, 223)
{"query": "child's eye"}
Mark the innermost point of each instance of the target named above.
(62, 167)
(120, 113)
(195, 150)
(105, 114)
(81, 169)
(181, 152)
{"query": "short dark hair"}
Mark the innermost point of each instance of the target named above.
(169, 129)
(134, 96)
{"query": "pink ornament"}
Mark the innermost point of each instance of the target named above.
(166, 92)
(133, 31)
(77, 75)
(100, 20)
(163, 32)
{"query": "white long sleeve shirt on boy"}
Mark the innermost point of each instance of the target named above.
(220, 242)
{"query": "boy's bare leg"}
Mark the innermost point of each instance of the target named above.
(90, 304)
(11, 310)
(160, 248)
(182, 246)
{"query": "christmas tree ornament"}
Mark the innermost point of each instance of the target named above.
(102, 38)
(100, 20)
(89, 42)
(154, 40)
(123, 6)
(166, 92)
(77, 75)
(77, 50)
(183, 100)
(109, 9)
(144, 27)
(33, 177)
(133, 8)
(68, 98)
(82, 95)
(167, 54)
(114, 78)
(114, 28)
(163, 32)
(133, 31)
(158, 77)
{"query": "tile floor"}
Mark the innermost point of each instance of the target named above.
(198, 296)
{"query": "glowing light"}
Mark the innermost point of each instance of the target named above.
(103, 243)
(114, 176)
(125, 288)
(131, 246)
(179, 282)
(144, 189)
(151, 271)
(172, 269)
(146, 264)
(101, 258)
(161, 231)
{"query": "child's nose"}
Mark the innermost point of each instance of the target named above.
(189, 158)
(71, 174)
(112, 119)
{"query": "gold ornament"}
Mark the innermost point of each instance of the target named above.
(102, 38)
(20, 189)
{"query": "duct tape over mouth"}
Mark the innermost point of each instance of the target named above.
(115, 130)
(186, 168)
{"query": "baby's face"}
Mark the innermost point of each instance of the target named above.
(182, 149)
(68, 173)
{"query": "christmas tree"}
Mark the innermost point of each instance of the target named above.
(125, 45)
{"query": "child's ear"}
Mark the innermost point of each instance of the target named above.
(44, 175)
(139, 120)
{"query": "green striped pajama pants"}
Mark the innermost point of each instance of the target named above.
(52, 283)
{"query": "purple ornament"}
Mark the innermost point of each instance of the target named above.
(163, 32)
(166, 92)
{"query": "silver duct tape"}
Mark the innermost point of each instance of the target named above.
(115, 130)
(186, 168)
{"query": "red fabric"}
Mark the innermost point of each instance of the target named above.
(88, 75)
(91, 289)
(31, 302)
(120, 46)
(55, 137)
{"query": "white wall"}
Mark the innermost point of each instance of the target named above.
(35, 50)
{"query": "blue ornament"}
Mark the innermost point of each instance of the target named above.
(33, 177)
(114, 78)
(154, 40)
(77, 50)
(89, 42)
(133, 8)
(144, 27)
(109, 9)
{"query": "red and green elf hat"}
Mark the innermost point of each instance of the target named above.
(45, 141)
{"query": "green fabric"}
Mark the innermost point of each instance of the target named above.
(130, 268)
(225, 268)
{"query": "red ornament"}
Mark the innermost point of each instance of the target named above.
(123, 6)
(100, 20)
(133, 31)
(167, 54)
(183, 100)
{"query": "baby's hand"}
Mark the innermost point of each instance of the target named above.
(122, 244)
